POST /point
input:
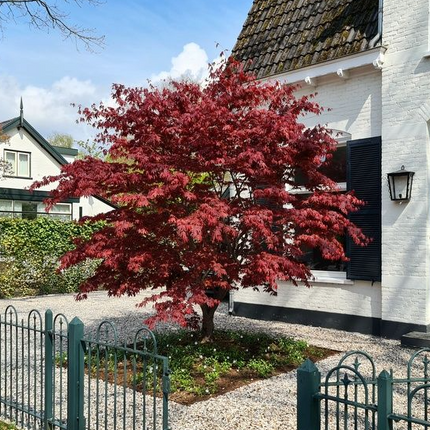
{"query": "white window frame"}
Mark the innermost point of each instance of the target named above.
(15, 167)
(54, 214)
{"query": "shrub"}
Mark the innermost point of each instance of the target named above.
(30, 253)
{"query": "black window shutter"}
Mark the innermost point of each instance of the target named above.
(364, 177)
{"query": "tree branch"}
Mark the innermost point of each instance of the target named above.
(42, 15)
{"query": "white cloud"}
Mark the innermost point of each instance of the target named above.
(192, 63)
(49, 109)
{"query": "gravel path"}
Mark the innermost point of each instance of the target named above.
(268, 404)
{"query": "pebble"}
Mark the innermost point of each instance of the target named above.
(268, 404)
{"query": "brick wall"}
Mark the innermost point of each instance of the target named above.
(354, 106)
(393, 103)
(405, 233)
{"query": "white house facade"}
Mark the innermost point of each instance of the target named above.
(29, 157)
(368, 61)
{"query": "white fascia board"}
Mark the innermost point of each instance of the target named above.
(310, 74)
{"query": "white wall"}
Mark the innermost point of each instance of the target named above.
(355, 106)
(43, 164)
(354, 298)
(405, 141)
(393, 103)
(90, 206)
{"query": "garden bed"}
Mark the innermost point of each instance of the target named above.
(200, 371)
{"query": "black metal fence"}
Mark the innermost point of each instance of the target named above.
(351, 396)
(52, 376)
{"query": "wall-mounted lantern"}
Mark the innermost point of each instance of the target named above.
(400, 184)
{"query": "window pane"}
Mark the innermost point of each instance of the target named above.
(336, 170)
(23, 165)
(5, 205)
(6, 208)
(313, 258)
(29, 210)
(61, 208)
(10, 158)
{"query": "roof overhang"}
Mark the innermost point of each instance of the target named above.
(42, 142)
(340, 67)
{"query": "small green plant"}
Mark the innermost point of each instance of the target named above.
(7, 426)
(199, 370)
(60, 359)
(262, 367)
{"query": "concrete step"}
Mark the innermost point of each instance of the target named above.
(416, 339)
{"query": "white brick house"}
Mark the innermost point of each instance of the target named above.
(30, 157)
(369, 62)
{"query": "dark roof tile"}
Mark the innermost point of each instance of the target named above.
(283, 35)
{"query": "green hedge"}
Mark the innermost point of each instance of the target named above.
(30, 251)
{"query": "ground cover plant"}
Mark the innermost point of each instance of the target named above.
(202, 370)
(7, 426)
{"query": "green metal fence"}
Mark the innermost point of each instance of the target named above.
(351, 396)
(53, 376)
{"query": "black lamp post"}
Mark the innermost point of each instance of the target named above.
(400, 184)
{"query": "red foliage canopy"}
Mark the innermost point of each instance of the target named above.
(174, 154)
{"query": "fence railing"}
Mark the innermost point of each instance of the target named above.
(351, 396)
(53, 376)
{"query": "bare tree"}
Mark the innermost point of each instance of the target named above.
(46, 15)
(5, 167)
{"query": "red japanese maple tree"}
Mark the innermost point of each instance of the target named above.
(200, 175)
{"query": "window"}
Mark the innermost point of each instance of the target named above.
(362, 159)
(336, 171)
(19, 163)
(6, 208)
(33, 210)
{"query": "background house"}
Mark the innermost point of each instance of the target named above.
(30, 157)
(368, 61)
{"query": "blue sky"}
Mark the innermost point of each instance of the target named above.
(144, 39)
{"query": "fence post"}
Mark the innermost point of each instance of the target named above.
(75, 376)
(385, 401)
(166, 391)
(308, 407)
(48, 371)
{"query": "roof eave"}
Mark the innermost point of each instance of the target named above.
(15, 123)
(373, 57)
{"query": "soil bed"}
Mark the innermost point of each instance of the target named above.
(200, 371)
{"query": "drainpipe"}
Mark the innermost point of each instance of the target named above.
(230, 302)
(378, 36)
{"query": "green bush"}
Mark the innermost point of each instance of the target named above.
(30, 251)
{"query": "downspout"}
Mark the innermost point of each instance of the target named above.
(378, 36)
(230, 302)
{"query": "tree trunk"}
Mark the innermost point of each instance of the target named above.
(208, 325)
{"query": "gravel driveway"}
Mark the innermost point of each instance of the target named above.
(268, 404)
